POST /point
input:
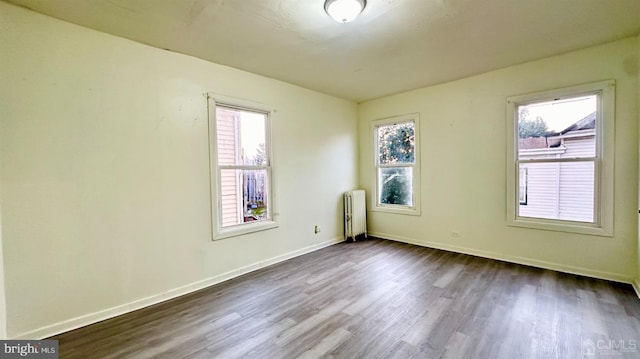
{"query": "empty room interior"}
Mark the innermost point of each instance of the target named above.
(336, 179)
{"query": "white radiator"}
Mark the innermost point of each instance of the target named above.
(355, 214)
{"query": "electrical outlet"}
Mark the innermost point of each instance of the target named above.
(316, 229)
(455, 234)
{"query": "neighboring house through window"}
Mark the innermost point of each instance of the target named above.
(562, 154)
(396, 165)
(562, 171)
(241, 168)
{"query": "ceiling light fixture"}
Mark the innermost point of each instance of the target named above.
(344, 10)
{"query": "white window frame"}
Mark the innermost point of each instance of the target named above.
(603, 163)
(218, 231)
(394, 208)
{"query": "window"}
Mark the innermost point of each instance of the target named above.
(396, 158)
(241, 168)
(561, 158)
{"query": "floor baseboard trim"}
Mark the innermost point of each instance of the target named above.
(615, 277)
(636, 286)
(92, 318)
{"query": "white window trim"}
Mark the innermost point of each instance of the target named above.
(391, 208)
(217, 231)
(604, 162)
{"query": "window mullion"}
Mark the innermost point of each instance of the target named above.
(243, 167)
(397, 165)
(554, 160)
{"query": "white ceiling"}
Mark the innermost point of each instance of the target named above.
(395, 45)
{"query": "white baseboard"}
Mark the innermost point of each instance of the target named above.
(91, 318)
(636, 286)
(615, 277)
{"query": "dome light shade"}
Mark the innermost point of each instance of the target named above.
(344, 10)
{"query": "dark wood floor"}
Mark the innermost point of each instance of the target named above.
(379, 299)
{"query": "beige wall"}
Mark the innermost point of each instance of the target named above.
(105, 172)
(3, 307)
(463, 145)
(637, 282)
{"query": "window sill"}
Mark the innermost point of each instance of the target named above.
(397, 210)
(242, 229)
(560, 226)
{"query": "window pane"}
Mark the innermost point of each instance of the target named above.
(396, 143)
(396, 185)
(563, 128)
(241, 137)
(252, 138)
(244, 196)
(559, 190)
(226, 127)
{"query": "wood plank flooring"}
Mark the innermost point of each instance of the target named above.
(379, 299)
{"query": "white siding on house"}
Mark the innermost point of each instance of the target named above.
(576, 191)
(561, 190)
(227, 155)
(542, 190)
(226, 139)
(580, 147)
(229, 198)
